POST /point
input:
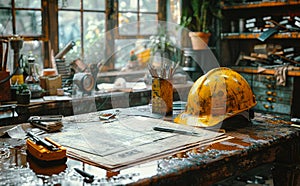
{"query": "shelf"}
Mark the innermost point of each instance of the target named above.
(260, 5)
(284, 35)
(292, 71)
(232, 44)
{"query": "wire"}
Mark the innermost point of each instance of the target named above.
(14, 72)
(10, 76)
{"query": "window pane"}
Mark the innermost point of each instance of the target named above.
(94, 30)
(69, 30)
(94, 4)
(149, 6)
(28, 22)
(69, 27)
(28, 3)
(69, 4)
(175, 11)
(128, 5)
(123, 48)
(5, 3)
(148, 24)
(34, 47)
(148, 17)
(5, 22)
(124, 20)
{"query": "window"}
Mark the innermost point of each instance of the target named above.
(85, 22)
(136, 12)
(89, 22)
(24, 18)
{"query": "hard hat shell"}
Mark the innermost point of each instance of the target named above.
(215, 96)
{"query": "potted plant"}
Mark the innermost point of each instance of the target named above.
(198, 17)
(23, 94)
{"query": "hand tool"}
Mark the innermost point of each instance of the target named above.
(87, 176)
(43, 142)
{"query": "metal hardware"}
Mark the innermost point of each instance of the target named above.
(270, 86)
(268, 106)
(270, 99)
(270, 93)
(269, 77)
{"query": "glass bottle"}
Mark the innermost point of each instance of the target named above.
(32, 77)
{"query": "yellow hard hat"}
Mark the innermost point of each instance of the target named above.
(215, 96)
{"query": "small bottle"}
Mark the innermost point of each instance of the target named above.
(32, 80)
(32, 77)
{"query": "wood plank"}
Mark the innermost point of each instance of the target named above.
(292, 71)
(260, 5)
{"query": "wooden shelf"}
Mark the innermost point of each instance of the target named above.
(292, 71)
(260, 5)
(284, 35)
(233, 43)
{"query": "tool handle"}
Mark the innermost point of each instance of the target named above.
(84, 174)
(65, 50)
(42, 142)
(53, 142)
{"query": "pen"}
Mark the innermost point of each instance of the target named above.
(178, 131)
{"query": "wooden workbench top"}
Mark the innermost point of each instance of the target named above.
(266, 139)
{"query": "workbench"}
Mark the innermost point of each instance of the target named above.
(267, 139)
(70, 105)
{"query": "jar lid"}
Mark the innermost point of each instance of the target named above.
(49, 72)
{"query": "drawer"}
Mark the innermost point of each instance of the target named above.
(270, 86)
(276, 96)
(269, 82)
(273, 98)
(273, 107)
(265, 78)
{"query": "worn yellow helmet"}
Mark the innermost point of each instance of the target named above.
(215, 96)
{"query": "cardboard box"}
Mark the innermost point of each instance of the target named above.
(51, 84)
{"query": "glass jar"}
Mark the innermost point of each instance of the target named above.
(32, 77)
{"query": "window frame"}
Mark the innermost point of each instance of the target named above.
(44, 37)
(160, 16)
